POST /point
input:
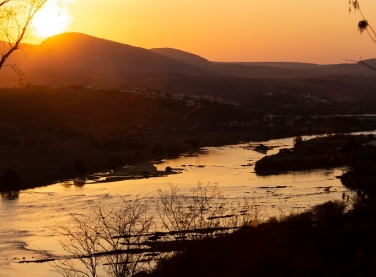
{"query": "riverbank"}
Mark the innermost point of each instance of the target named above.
(44, 164)
(320, 152)
(225, 166)
(327, 240)
(49, 135)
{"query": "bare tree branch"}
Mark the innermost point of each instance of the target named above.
(15, 20)
(363, 25)
(363, 63)
(119, 239)
(4, 2)
(110, 236)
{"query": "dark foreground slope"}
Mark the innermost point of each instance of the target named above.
(325, 241)
(332, 239)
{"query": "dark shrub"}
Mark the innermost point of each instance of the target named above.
(67, 169)
(115, 162)
(145, 174)
(9, 180)
(80, 168)
(330, 213)
(158, 148)
(193, 143)
(173, 149)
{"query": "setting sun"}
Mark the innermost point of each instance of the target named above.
(187, 138)
(51, 20)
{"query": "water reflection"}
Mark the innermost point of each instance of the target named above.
(10, 195)
(68, 184)
(231, 167)
(78, 182)
(300, 173)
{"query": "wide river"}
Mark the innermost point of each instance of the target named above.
(27, 227)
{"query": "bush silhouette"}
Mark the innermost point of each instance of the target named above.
(9, 180)
(80, 168)
(115, 162)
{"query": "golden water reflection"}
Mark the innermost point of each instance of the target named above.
(230, 167)
(10, 195)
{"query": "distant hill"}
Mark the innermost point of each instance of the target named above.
(286, 65)
(74, 58)
(186, 58)
(79, 59)
(287, 70)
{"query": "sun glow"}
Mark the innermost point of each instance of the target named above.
(52, 19)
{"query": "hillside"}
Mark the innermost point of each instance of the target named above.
(79, 59)
(86, 111)
(74, 58)
(187, 58)
(43, 131)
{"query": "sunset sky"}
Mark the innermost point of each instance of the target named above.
(237, 30)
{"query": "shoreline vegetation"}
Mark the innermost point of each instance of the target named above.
(50, 135)
(335, 238)
(331, 239)
(77, 159)
(320, 152)
(61, 161)
(47, 138)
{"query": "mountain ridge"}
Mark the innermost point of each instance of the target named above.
(80, 59)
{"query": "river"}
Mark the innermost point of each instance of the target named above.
(28, 222)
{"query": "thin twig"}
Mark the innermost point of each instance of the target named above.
(363, 63)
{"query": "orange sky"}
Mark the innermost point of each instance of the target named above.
(318, 31)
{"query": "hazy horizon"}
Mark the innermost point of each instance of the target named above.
(237, 31)
(347, 61)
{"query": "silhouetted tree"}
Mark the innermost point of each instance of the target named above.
(115, 162)
(110, 236)
(361, 178)
(15, 20)
(80, 168)
(118, 238)
(9, 180)
(67, 169)
(297, 141)
(194, 143)
(363, 25)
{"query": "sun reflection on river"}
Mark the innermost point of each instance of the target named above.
(29, 220)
